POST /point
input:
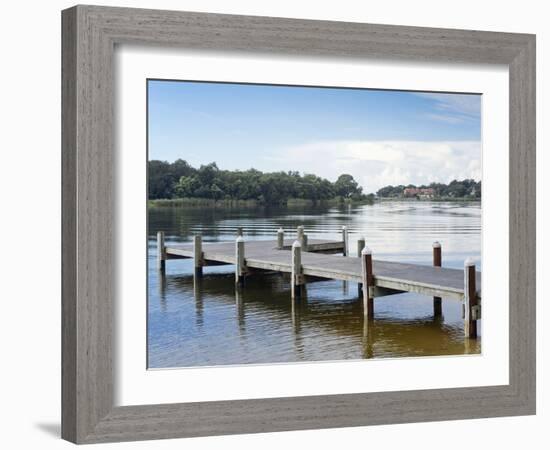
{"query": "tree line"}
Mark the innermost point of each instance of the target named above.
(179, 179)
(455, 189)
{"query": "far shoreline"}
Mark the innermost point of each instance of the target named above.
(432, 200)
(235, 203)
(251, 203)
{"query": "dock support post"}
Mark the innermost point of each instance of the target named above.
(470, 299)
(301, 236)
(239, 261)
(368, 282)
(280, 238)
(360, 247)
(437, 263)
(345, 240)
(161, 251)
(296, 279)
(197, 255)
(239, 231)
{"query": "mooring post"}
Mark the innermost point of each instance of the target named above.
(161, 251)
(299, 233)
(280, 238)
(239, 261)
(239, 231)
(301, 236)
(360, 247)
(296, 278)
(197, 255)
(345, 240)
(368, 282)
(436, 246)
(471, 309)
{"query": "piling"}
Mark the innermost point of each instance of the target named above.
(240, 261)
(239, 231)
(280, 238)
(436, 246)
(197, 255)
(345, 240)
(301, 236)
(296, 278)
(471, 308)
(368, 282)
(360, 247)
(161, 251)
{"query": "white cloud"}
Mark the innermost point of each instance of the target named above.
(375, 164)
(446, 118)
(454, 108)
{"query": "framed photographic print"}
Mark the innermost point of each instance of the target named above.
(268, 222)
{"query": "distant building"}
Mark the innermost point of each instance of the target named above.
(424, 193)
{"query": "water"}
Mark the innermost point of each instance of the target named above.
(211, 323)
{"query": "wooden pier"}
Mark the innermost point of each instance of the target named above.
(307, 260)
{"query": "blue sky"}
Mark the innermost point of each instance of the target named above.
(380, 137)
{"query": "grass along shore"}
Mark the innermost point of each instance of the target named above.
(234, 203)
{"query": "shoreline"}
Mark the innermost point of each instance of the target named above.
(232, 203)
(223, 203)
(427, 200)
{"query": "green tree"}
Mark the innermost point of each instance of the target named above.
(180, 180)
(346, 186)
(186, 187)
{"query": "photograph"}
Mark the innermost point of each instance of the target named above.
(293, 224)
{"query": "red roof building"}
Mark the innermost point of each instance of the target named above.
(419, 192)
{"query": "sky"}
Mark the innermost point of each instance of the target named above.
(380, 137)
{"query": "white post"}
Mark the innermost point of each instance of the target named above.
(470, 299)
(280, 238)
(436, 250)
(161, 251)
(239, 261)
(301, 236)
(299, 233)
(345, 240)
(360, 247)
(296, 274)
(304, 242)
(368, 282)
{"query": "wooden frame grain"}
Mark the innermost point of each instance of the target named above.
(90, 34)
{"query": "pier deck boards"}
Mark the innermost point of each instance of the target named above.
(404, 277)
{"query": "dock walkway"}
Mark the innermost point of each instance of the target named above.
(307, 260)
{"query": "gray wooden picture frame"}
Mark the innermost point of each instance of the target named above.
(90, 34)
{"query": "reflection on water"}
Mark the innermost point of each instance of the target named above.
(210, 322)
